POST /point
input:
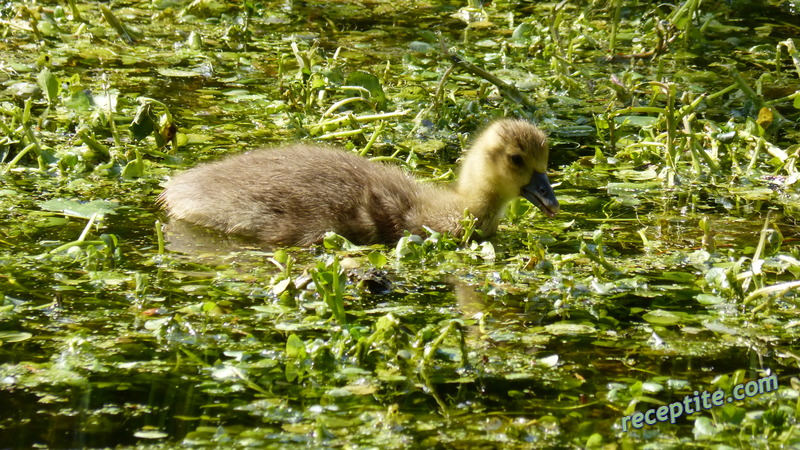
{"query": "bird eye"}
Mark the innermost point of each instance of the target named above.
(517, 160)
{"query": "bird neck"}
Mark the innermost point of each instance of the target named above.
(483, 203)
(480, 192)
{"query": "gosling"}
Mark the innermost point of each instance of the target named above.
(294, 195)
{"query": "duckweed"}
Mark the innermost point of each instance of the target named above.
(672, 269)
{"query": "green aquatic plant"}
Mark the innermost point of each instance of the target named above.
(330, 281)
(599, 257)
(91, 116)
(673, 264)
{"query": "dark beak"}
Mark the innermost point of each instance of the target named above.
(539, 192)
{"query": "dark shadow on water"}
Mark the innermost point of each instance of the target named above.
(108, 412)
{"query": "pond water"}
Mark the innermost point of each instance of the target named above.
(672, 269)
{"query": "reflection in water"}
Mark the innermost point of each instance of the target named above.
(194, 240)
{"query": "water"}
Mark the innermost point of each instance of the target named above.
(640, 289)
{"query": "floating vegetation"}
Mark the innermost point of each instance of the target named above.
(672, 271)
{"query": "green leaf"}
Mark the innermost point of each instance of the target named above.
(84, 210)
(134, 169)
(704, 428)
(143, 122)
(662, 317)
(372, 84)
(150, 434)
(49, 84)
(335, 241)
(123, 31)
(637, 175)
(295, 347)
(296, 353)
(522, 31)
(177, 73)
(627, 189)
(708, 299)
(636, 121)
(548, 361)
(421, 47)
(569, 328)
(680, 277)
(377, 259)
(14, 336)
(78, 101)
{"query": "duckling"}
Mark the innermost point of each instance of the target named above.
(294, 195)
